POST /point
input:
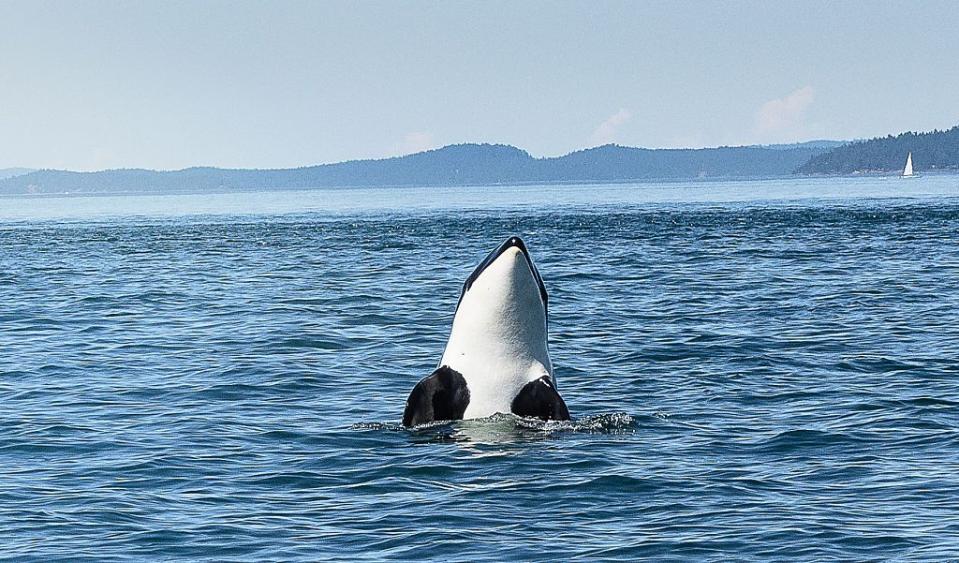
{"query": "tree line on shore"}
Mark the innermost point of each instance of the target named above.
(933, 150)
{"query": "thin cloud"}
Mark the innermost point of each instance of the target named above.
(784, 118)
(607, 131)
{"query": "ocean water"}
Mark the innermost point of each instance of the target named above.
(757, 370)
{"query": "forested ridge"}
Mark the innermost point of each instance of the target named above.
(935, 150)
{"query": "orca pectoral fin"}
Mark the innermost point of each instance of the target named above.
(539, 399)
(442, 395)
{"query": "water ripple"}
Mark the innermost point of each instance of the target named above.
(748, 381)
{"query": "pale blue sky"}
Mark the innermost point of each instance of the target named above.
(90, 85)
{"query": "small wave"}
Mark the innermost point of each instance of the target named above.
(377, 427)
(506, 428)
(800, 439)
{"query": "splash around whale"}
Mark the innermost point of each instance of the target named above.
(497, 357)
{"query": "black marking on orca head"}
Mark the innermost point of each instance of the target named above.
(511, 242)
(442, 395)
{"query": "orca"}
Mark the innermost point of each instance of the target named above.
(497, 358)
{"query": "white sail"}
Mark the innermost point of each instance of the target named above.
(907, 171)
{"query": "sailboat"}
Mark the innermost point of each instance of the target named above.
(907, 170)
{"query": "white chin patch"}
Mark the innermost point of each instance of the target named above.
(498, 339)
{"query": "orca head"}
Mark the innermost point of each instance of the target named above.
(502, 311)
(505, 266)
(507, 273)
(497, 358)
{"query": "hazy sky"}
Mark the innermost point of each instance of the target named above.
(88, 85)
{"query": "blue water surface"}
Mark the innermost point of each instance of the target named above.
(756, 370)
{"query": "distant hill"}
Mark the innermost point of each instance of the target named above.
(466, 164)
(11, 172)
(935, 150)
(612, 163)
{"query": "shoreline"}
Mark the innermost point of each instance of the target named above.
(639, 182)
